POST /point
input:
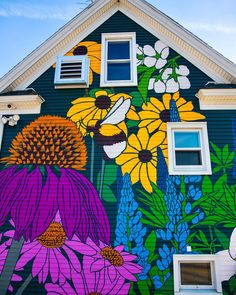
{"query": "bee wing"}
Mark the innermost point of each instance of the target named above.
(118, 112)
(113, 151)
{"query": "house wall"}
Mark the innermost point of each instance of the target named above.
(152, 221)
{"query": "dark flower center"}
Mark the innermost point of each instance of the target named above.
(145, 156)
(80, 50)
(165, 116)
(53, 237)
(94, 293)
(112, 256)
(103, 102)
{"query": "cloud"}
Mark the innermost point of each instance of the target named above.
(39, 11)
(214, 28)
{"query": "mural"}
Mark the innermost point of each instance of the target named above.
(111, 150)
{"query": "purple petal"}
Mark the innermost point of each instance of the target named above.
(47, 206)
(119, 248)
(27, 256)
(132, 267)
(73, 259)
(129, 257)
(45, 270)
(90, 277)
(124, 290)
(16, 278)
(26, 202)
(54, 289)
(96, 220)
(78, 283)
(97, 265)
(53, 266)
(112, 272)
(81, 248)
(39, 261)
(64, 266)
(126, 274)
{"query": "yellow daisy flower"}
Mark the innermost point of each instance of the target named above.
(85, 109)
(155, 114)
(93, 51)
(139, 159)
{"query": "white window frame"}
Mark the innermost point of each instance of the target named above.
(201, 127)
(82, 82)
(131, 37)
(213, 259)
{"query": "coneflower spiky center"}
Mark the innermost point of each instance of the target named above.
(112, 256)
(53, 237)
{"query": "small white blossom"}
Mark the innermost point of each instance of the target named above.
(156, 57)
(140, 55)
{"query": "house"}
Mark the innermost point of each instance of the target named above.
(118, 140)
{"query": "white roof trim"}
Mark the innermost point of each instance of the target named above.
(219, 68)
(217, 99)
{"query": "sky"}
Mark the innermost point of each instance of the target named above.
(25, 24)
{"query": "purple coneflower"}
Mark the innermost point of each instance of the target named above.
(41, 180)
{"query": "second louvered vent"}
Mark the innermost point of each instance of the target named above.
(72, 71)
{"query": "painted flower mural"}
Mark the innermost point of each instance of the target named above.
(43, 181)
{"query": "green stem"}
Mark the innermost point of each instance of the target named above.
(24, 285)
(212, 244)
(9, 266)
(92, 160)
(102, 178)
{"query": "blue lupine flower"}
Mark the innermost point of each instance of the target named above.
(188, 208)
(193, 179)
(162, 170)
(129, 229)
(157, 282)
(174, 113)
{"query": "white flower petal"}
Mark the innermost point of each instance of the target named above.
(160, 63)
(182, 70)
(183, 82)
(159, 87)
(150, 61)
(139, 49)
(159, 46)
(172, 86)
(166, 73)
(165, 52)
(149, 50)
(151, 84)
(232, 245)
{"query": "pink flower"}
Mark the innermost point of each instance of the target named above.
(88, 282)
(115, 261)
(48, 258)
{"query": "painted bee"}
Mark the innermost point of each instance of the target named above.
(111, 132)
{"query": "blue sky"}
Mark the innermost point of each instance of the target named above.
(25, 24)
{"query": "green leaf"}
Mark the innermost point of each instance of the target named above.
(230, 158)
(232, 284)
(141, 69)
(215, 159)
(217, 169)
(150, 243)
(207, 186)
(223, 239)
(225, 153)
(132, 123)
(93, 91)
(137, 99)
(219, 185)
(110, 174)
(108, 195)
(203, 238)
(143, 287)
(216, 149)
(144, 81)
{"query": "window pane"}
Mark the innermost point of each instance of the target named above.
(195, 274)
(118, 71)
(187, 139)
(118, 50)
(188, 158)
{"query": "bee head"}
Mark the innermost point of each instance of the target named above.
(93, 125)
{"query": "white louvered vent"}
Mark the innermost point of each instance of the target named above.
(72, 71)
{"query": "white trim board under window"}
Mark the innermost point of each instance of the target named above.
(72, 72)
(196, 274)
(188, 148)
(118, 60)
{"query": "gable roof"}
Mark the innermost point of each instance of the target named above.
(215, 65)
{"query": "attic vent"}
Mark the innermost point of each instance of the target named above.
(72, 71)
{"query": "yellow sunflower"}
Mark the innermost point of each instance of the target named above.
(139, 159)
(93, 51)
(155, 114)
(85, 109)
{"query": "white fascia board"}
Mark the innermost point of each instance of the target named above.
(186, 36)
(49, 44)
(217, 99)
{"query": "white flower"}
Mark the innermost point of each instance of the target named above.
(232, 245)
(140, 55)
(156, 57)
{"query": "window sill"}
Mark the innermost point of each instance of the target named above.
(197, 292)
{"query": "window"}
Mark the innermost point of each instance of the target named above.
(119, 66)
(188, 148)
(194, 272)
(72, 71)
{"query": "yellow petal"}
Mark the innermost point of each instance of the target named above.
(148, 115)
(95, 64)
(186, 107)
(157, 104)
(127, 161)
(191, 116)
(175, 96)
(134, 174)
(144, 178)
(154, 125)
(79, 108)
(181, 101)
(145, 123)
(156, 140)
(166, 100)
(83, 100)
(134, 142)
(143, 137)
(90, 76)
(132, 114)
(100, 93)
